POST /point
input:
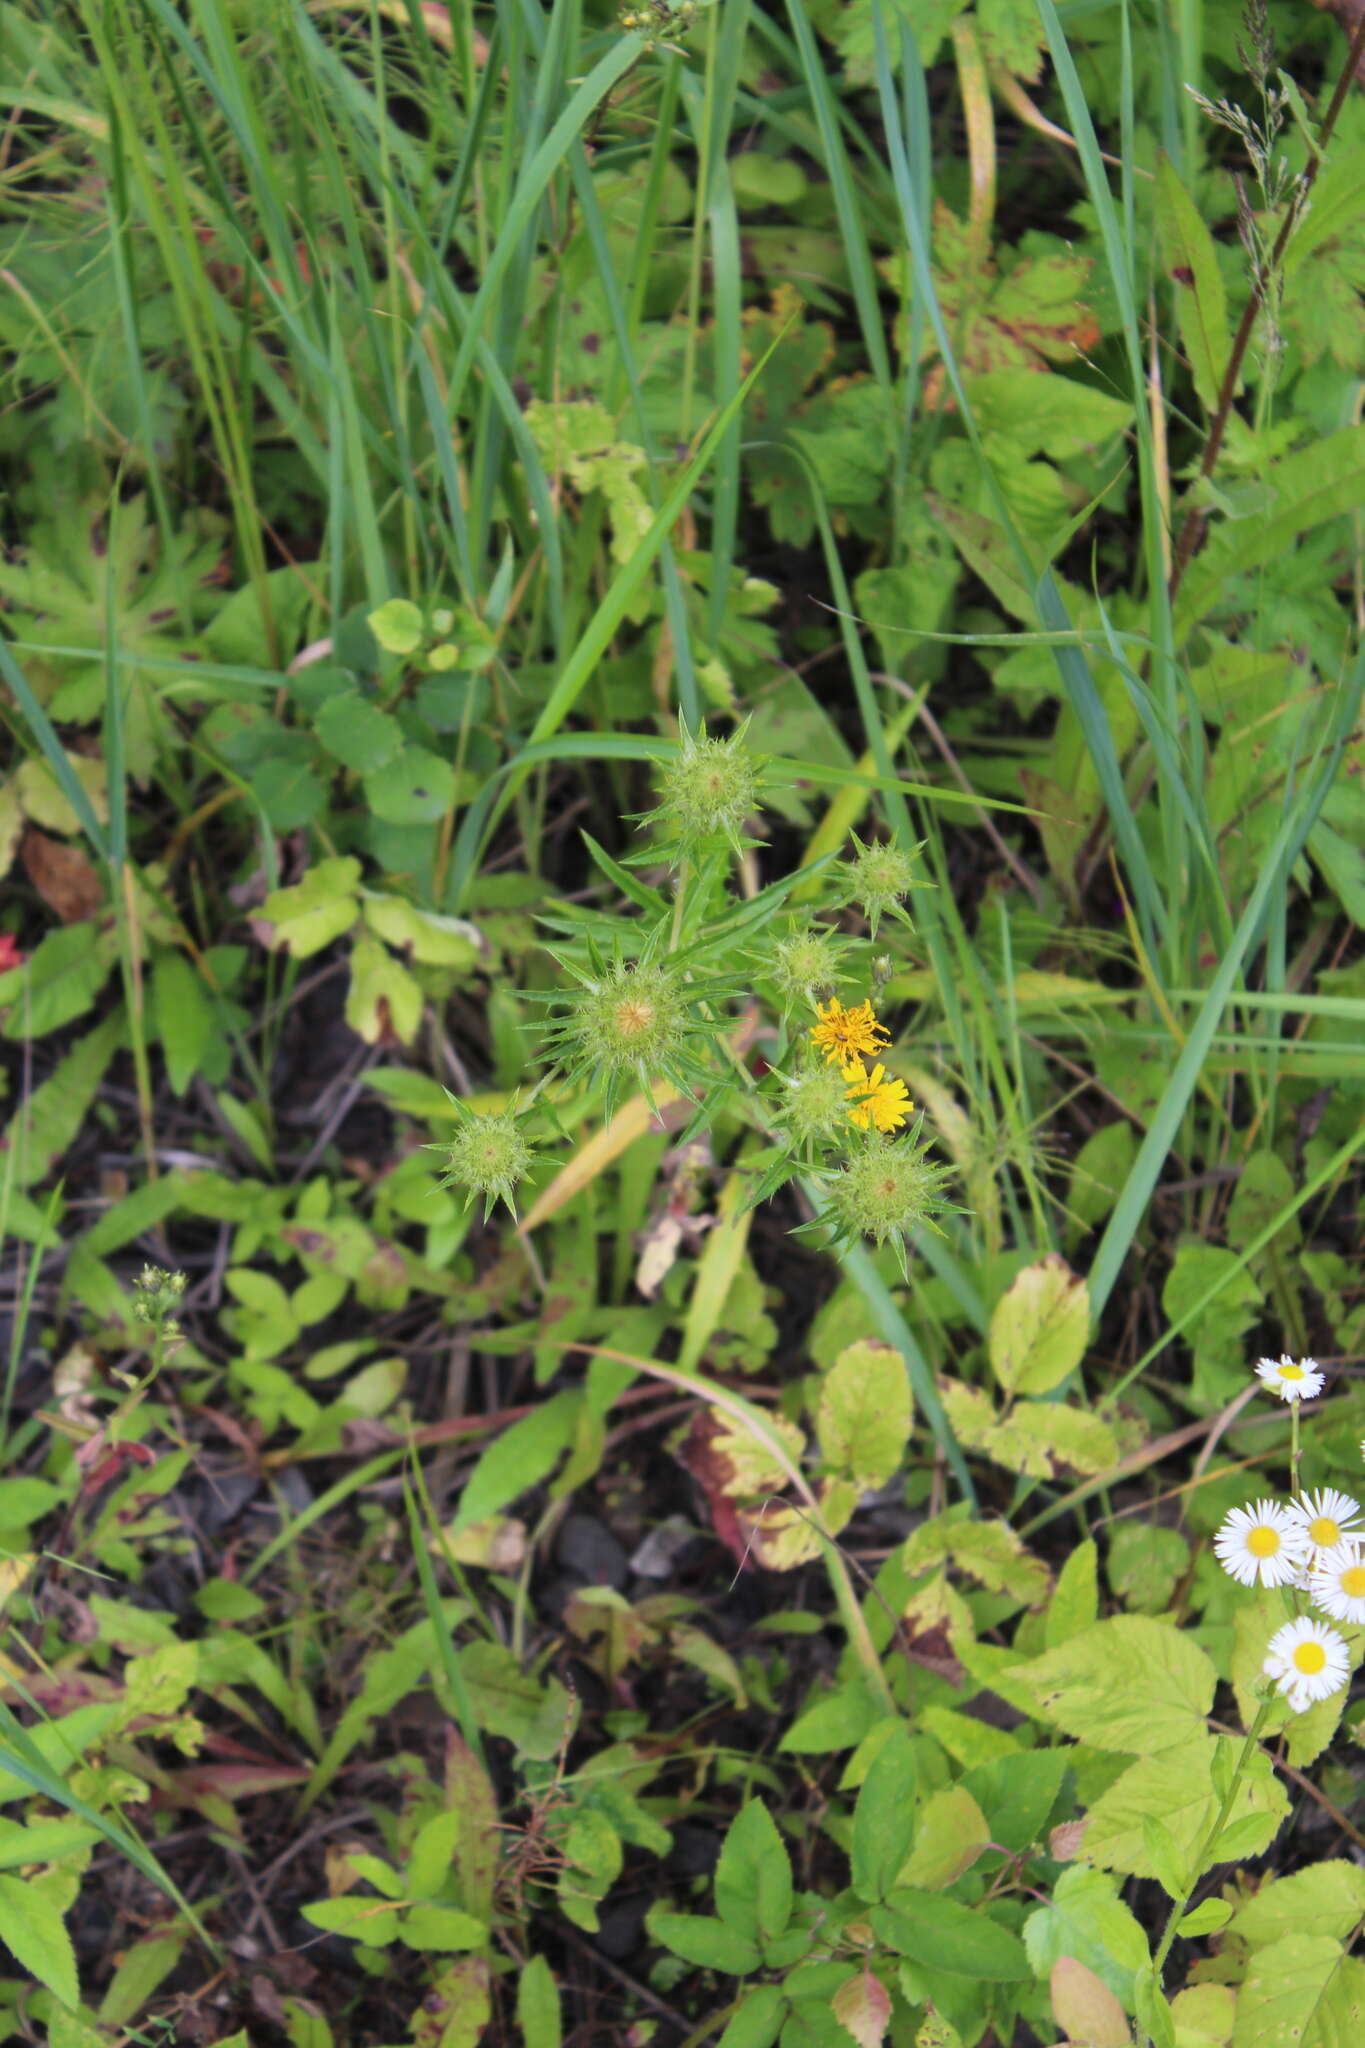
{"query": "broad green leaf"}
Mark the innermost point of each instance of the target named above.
(1017, 1793)
(538, 2005)
(943, 1934)
(144, 1967)
(443, 1928)
(757, 2020)
(1127, 1684)
(1324, 480)
(358, 1915)
(884, 1817)
(383, 1000)
(837, 1721)
(753, 1876)
(1177, 1784)
(397, 625)
(435, 940)
(1040, 1327)
(413, 787)
(32, 1929)
(1085, 2008)
(710, 1944)
(58, 982)
(184, 1017)
(1265, 1189)
(863, 1413)
(1035, 1438)
(1191, 263)
(316, 910)
(1305, 1990)
(1210, 1916)
(1145, 1562)
(951, 1833)
(1087, 1919)
(988, 1551)
(1101, 1167)
(1328, 1898)
(1075, 1602)
(356, 732)
(519, 1457)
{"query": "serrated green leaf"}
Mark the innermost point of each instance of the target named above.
(863, 1413)
(32, 1929)
(753, 1876)
(884, 1817)
(1129, 1684)
(710, 1944)
(538, 2005)
(1303, 1989)
(1039, 1328)
(316, 910)
(1191, 263)
(943, 1934)
(414, 787)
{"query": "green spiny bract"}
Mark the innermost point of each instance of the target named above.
(487, 1156)
(889, 1188)
(637, 1021)
(708, 790)
(813, 1106)
(805, 964)
(877, 879)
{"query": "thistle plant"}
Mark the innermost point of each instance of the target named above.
(488, 1155)
(676, 994)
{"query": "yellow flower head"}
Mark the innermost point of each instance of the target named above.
(882, 1105)
(848, 1035)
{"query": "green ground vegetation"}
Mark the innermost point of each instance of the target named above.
(682, 806)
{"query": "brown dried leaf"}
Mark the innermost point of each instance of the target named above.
(62, 875)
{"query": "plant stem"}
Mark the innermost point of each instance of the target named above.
(1196, 519)
(1294, 1448)
(1205, 1856)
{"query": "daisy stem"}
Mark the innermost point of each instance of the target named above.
(1294, 1448)
(1205, 1857)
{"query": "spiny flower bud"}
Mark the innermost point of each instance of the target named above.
(487, 1156)
(877, 879)
(887, 1190)
(814, 1105)
(805, 964)
(634, 1018)
(708, 790)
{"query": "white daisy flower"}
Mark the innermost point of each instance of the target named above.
(1308, 1661)
(1326, 1517)
(1262, 1543)
(1337, 1582)
(1293, 1379)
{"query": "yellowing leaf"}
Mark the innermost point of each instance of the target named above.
(1039, 1329)
(1084, 2008)
(317, 910)
(863, 1413)
(951, 1833)
(1131, 1684)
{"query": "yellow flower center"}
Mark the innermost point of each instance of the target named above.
(1263, 1541)
(1291, 1372)
(1324, 1532)
(1309, 1658)
(1352, 1582)
(634, 1016)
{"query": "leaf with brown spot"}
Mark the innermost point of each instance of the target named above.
(62, 875)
